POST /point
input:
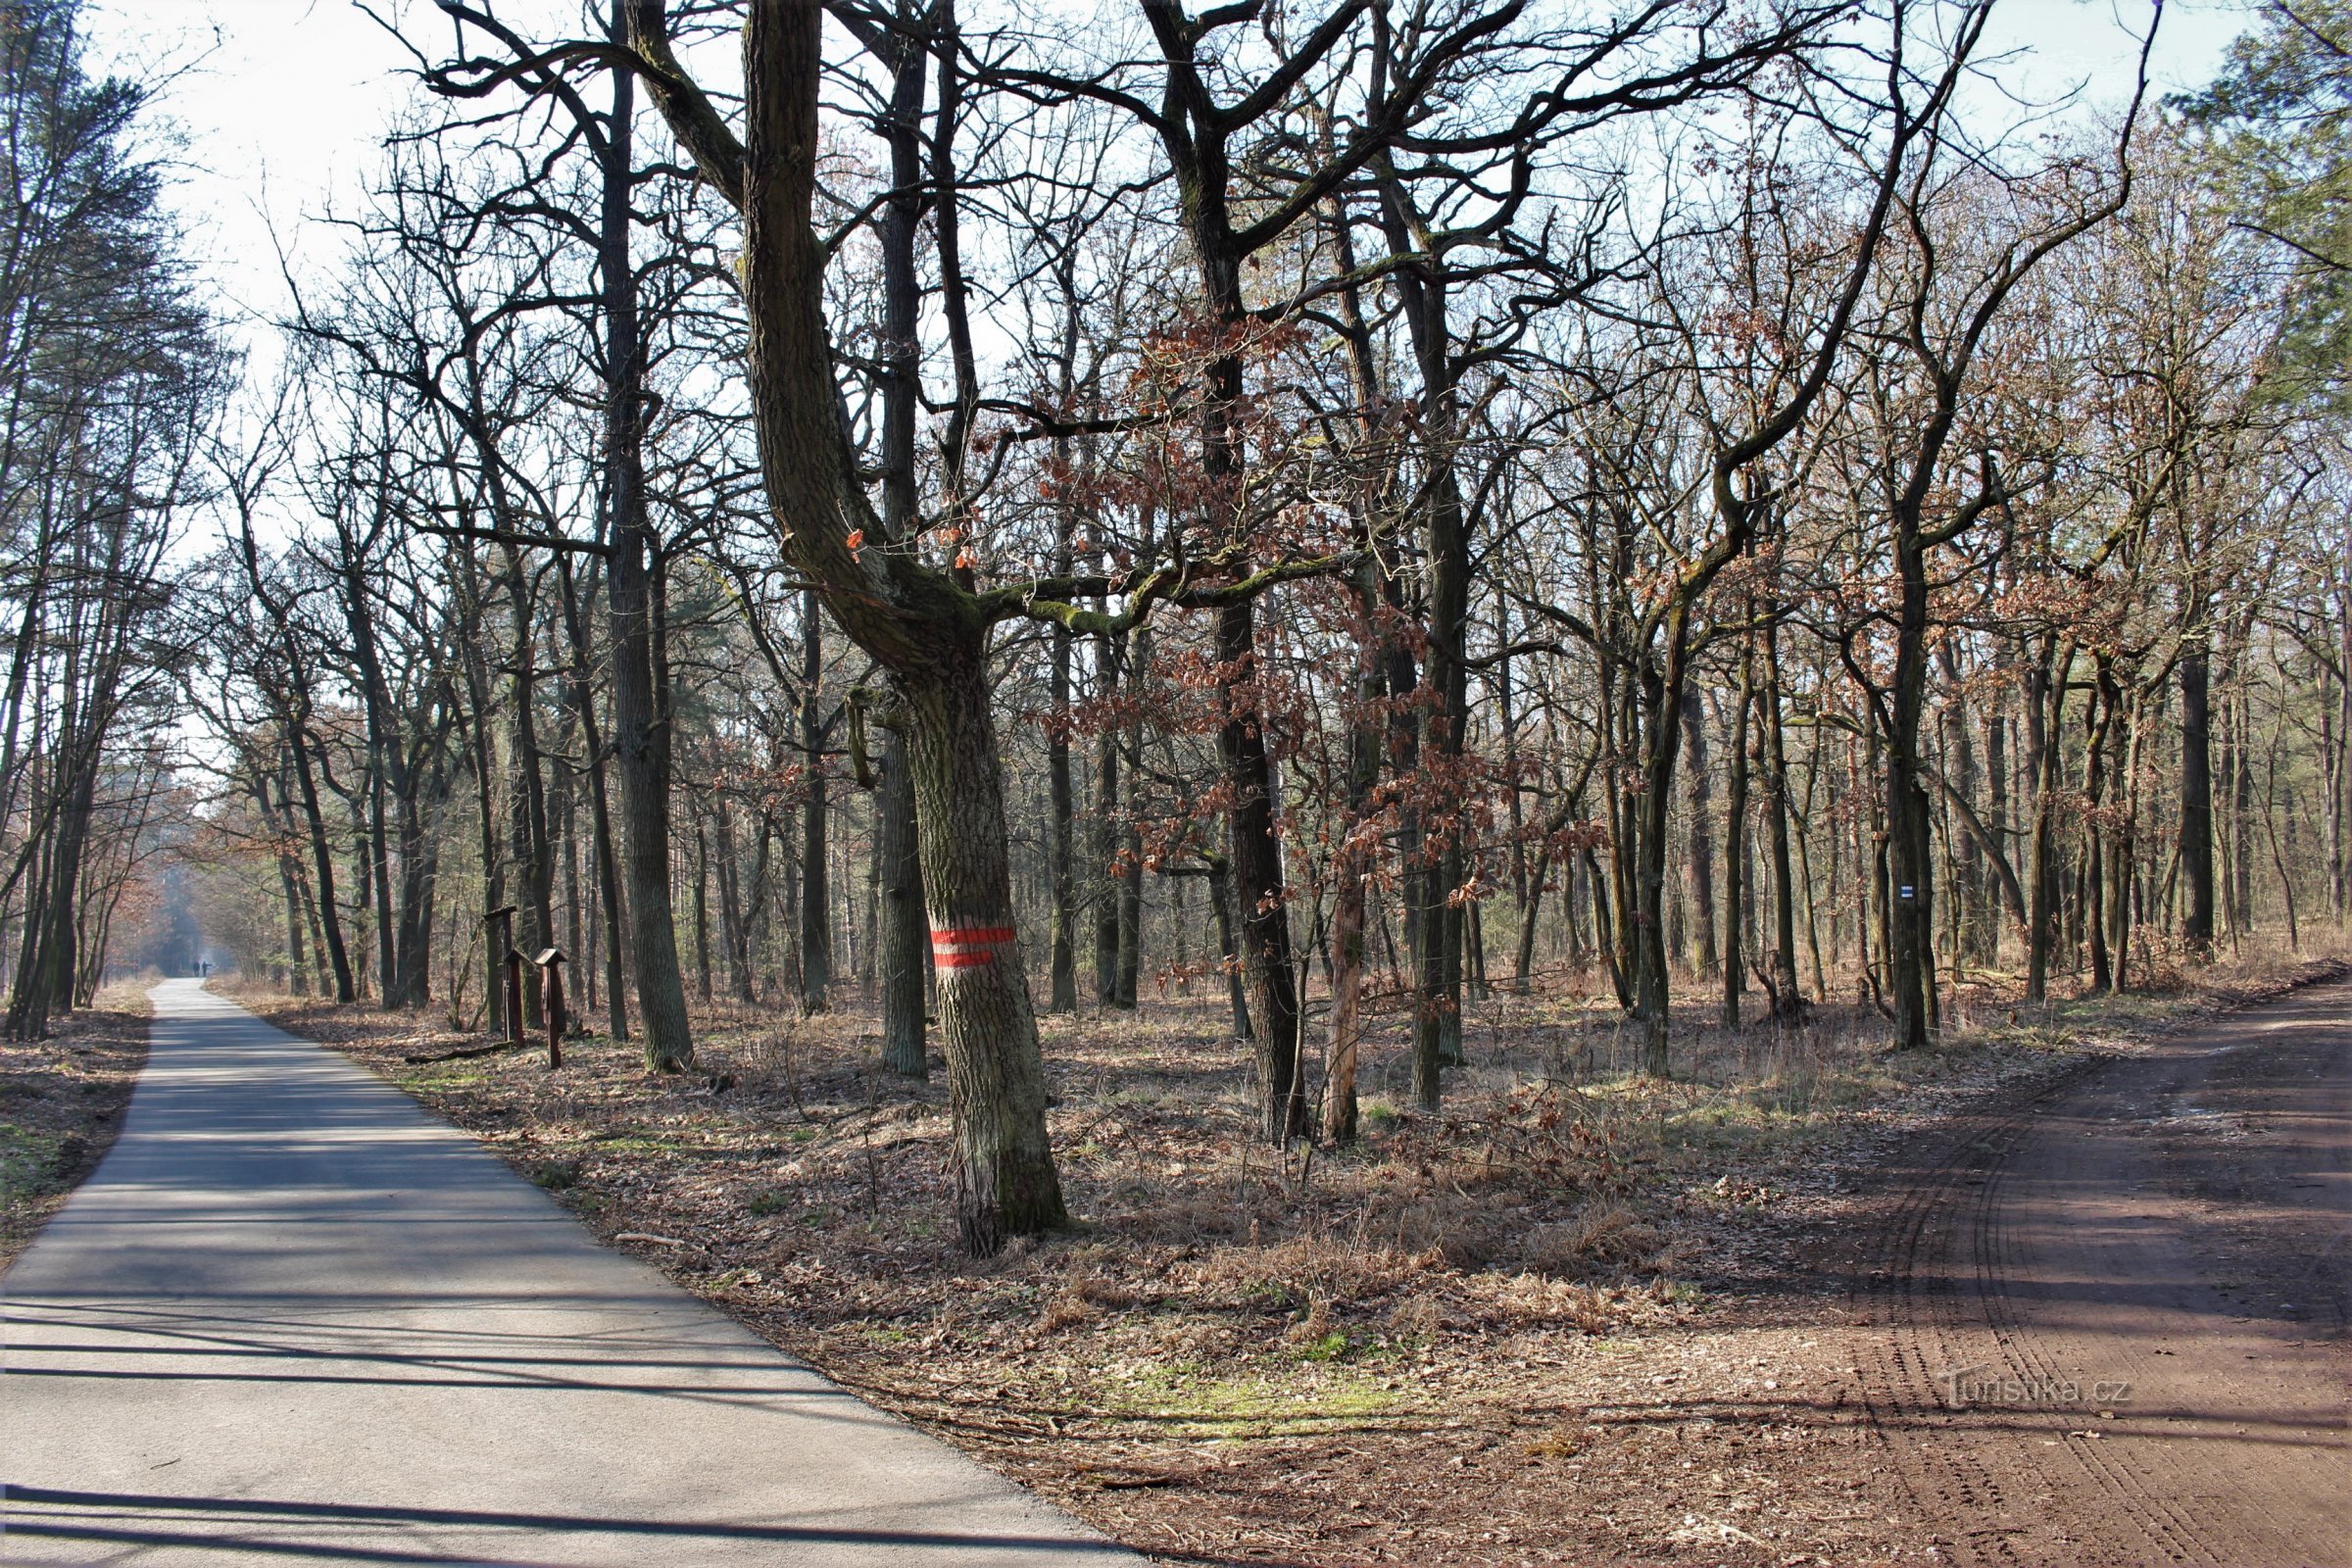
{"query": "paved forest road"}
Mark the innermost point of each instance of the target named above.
(2113, 1317)
(294, 1318)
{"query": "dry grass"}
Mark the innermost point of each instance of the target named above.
(1224, 1317)
(61, 1104)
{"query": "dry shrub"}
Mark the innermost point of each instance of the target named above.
(1184, 1337)
(1493, 1169)
(1601, 1235)
(1066, 1311)
(1528, 1301)
(1677, 1252)
(1557, 1139)
(1318, 1266)
(1313, 1326)
(1447, 1226)
(1097, 1289)
(1416, 1318)
(1083, 1298)
(1191, 1216)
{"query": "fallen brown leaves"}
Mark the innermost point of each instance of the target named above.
(60, 1103)
(1571, 1320)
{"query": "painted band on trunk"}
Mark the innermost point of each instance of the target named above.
(967, 946)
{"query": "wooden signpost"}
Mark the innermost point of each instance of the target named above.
(551, 1002)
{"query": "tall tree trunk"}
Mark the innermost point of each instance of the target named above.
(1656, 742)
(734, 932)
(2339, 806)
(1061, 799)
(299, 981)
(1229, 944)
(581, 690)
(641, 731)
(701, 910)
(1910, 924)
(1193, 139)
(1351, 865)
(1106, 876)
(2242, 816)
(901, 938)
(2096, 835)
(1996, 816)
(816, 912)
(323, 861)
(420, 855)
(1735, 845)
(480, 755)
(378, 836)
(2196, 801)
(923, 625)
(2126, 855)
(1523, 893)
(1004, 1179)
(531, 849)
(1062, 806)
(1423, 290)
(1402, 677)
(1131, 847)
(899, 957)
(1787, 999)
(1700, 873)
(289, 876)
(1258, 888)
(2045, 711)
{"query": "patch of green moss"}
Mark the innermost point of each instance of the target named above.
(29, 1159)
(1196, 1404)
(443, 1080)
(2049, 1037)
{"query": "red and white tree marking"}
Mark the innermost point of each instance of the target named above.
(969, 947)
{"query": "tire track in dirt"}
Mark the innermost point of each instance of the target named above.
(2089, 1353)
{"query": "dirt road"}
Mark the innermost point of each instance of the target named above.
(2112, 1318)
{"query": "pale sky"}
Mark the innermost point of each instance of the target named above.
(285, 102)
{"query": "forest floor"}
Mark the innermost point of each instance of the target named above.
(1581, 1316)
(60, 1103)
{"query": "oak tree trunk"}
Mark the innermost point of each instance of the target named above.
(901, 938)
(641, 731)
(1004, 1179)
(2196, 802)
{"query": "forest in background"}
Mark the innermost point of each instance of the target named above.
(1349, 511)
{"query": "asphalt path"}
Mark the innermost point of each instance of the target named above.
(293, 1318)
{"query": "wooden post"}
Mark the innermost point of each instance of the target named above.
(551, 1002)
(499, 937)
(514, 962)
(503, 938)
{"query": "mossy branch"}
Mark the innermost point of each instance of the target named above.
(1052, 599)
